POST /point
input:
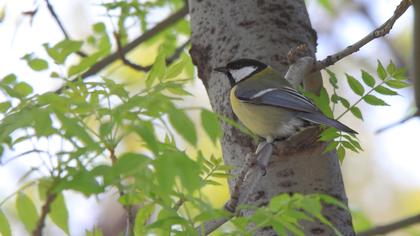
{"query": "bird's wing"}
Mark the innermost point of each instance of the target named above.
(284, 97)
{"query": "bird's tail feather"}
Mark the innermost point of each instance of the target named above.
(319, 118)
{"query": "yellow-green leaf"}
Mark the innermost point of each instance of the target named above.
(4, 225)
(355, 85)
(26, 211)
(183, 125)
(59, 213)
(373, 100)
(381, 71)
(211, 124)
(385, 91)
(368, 79)
(356, 112)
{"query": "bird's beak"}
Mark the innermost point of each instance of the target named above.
(221, 69)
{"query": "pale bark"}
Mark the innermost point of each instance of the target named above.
(265, 30)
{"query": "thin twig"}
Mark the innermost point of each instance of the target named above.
(378, 32)
(124, 58)
(392, 226)
(104, 62)
(138, 67)
(44, 212)
(417, 114)
(60, 24)
(249, 176)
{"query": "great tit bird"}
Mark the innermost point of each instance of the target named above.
(265, 102)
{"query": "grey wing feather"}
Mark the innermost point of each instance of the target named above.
(284, 97)
(289, 98)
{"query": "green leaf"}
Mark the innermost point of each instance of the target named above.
(81, 181)
(99, 27)
(8, 79)
(373, 100)
(94, 232)
(4, 225)
(333, 79)
(344, 101)
(158, 70)
(173, 164)
(36, 64)
(391, 68)
(211, 124)
(381, 71)
(131, 163)
(356, 112)
(60, 51)
(175, 69)
(329, 134)
(59, 213)
(143, 215)
(73, 128)
(146, 131)
(349, 146)
(42, 123)
(324, 103)
(4, 106)
(385, 91)
(183, 125)
(85, 63)
(368, 79)
(397, 84)
(327, 5)
(355, 85)
(26, 211)
(23, 89)
(341, 153)
(361, 221)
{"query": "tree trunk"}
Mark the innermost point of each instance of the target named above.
(265, 30)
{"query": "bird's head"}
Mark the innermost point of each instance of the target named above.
(241, 69)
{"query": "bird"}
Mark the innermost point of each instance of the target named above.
(267, 104)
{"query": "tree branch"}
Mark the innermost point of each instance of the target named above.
(378, 32)
(392, 226)
(138, 67)
(44, 212)
(416, 114)
(104, 62)
(60, 24)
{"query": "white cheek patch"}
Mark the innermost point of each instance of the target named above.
(242, 73)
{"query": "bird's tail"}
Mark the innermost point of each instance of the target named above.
(319, 118)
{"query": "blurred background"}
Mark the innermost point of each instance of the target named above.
(382, 183)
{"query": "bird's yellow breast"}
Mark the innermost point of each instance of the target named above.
(264, 121)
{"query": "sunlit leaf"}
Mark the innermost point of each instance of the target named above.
(368, 79)
(59, 213)
(381, 71)
(23, 89)
(341, 153)
(143, 214)
(183, 125)
(356, 112)
(385, 91)
(355, 85)
(211, 125)
(373, 100)
(4, 225)
(397, 84)
(26, 211)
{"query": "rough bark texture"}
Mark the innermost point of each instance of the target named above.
(265, 30)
